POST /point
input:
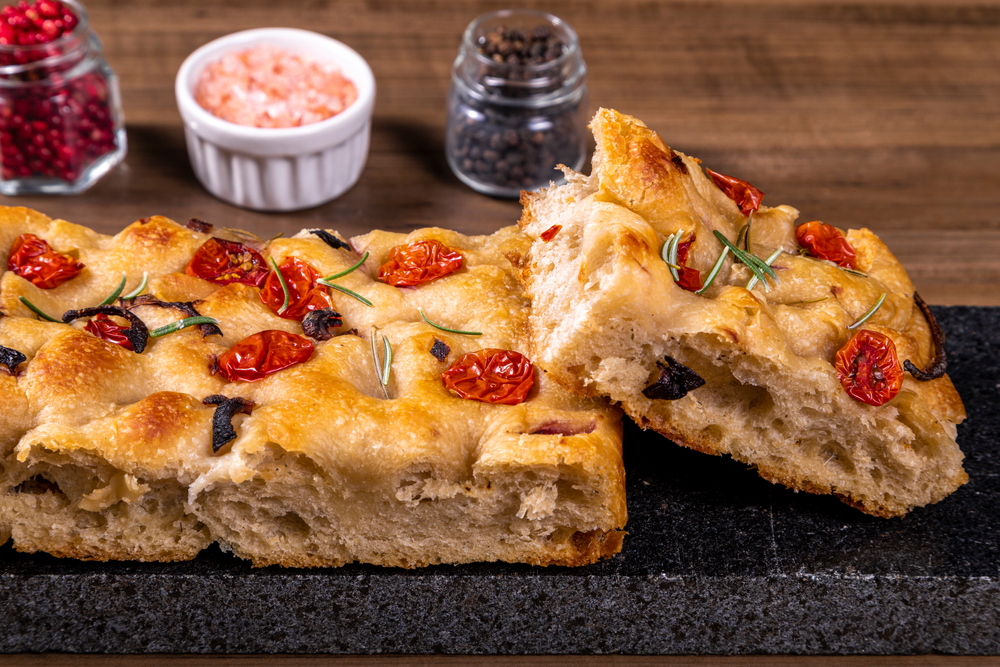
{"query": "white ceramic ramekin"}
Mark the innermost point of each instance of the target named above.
(278, 169)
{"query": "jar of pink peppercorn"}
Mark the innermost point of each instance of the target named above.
(61, 125)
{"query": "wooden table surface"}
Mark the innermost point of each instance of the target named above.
(880, 114)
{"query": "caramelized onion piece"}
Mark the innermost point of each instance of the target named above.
(222, 421)
(137, 333)
(939, 364)
(196, 225)
(186, 307)
(440, 350)
(675, 381)
(331, 240)
(10, 358)
(320, 324)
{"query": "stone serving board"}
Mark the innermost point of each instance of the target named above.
(716, 561)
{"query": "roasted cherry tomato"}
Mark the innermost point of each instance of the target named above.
(491, 376)
(550, 233)
(688, 278)
(868, 369)
(418, 263)
(826, 242)
(304, 294)
(746, 196)
(223, 262)
(34, 260)
(266, 352)
(104, 327)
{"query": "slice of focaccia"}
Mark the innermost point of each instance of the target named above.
(610, 319)
(289, 438)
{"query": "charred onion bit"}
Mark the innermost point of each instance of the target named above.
(10, 358)
(824, 241)
(266, 352)
(550, 233)
(105, 328)
(746, 196)
(222, 420)
(223, 262)
(186, 307)
(304, 293)
(34, 260)
(939, 364)
(137, 334)
(331, 240)
(196, 225)
(440, 350)
(675, 381)
(491, 376)
(689, 278)
(319, 324)
(419, 262)
(868, 369)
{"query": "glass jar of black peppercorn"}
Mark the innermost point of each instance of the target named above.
(518, 103)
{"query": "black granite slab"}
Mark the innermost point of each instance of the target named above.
(717, 561)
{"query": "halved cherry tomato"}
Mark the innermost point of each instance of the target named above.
(418, 263)
(746, 196)
(689, 279)
(106, 328)
(491, 376)
(266, 352)
(826, 242)
(34, 260)
(304, 294)
(868, 369)
(223, 262)
(550, 233)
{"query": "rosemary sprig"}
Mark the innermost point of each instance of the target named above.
(380, 368)
(768, 261)
(854, 272)
(181, 324)
(36, 310)
(346, 271)
(114, 295)
(752, 262)
(138, 290)
(715, 270)
(871, 311)
(284, 287)
(454, 331)
(346, 291)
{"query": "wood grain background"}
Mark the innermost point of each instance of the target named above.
(879, 114)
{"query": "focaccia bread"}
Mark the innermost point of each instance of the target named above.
(111, 454)
(609, 319)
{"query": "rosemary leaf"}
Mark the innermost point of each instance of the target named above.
(36, 310)
(347, 292)
(387, 363)
(346, 271)
(114, 295)
(771, 258)
(454, 331)
(746, 236)
(138, 290)
(375, 360)
(284, 287)
(746, 259)
(871, 311)
(671, 260)
(715, 269)
(854, 272)
(181, 324)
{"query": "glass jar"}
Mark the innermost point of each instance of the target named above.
(61, 125)
(511, 124)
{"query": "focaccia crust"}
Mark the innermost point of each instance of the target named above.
(107, 454)
(605, 309)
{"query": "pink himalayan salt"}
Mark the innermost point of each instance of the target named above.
(268, 87)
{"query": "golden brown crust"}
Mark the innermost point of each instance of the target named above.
(324, 470)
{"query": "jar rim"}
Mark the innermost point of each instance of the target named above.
(79, 30)
(470, 45)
